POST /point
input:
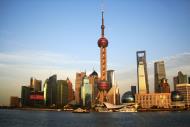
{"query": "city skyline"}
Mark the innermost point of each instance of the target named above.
(39, 39)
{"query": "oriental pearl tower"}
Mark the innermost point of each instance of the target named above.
(103, 84)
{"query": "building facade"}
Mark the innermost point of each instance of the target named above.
(37, 98)
(154, 100)
(113, 95)
(184, 89)
(25, 96)
(159, 74)
(78, 84)
(142, 75)
(50, 89)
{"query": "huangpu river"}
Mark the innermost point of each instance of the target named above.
(26, 118)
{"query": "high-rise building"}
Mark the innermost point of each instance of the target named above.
(180, 79)
(86, 93)
(133, 90)
(184, 89)
(159, 74)
(25, 96)
(113, 95)
(14, 102)
(62, 93)
(70, 90)
(163, 87)
(50, 89)
(78, 84)
(142, 75)
(35, 84)
(93, 80)
(103, 84)
(111, 78)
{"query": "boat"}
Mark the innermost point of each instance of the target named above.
(125, 109)
(80, 110)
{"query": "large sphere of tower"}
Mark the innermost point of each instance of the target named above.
(103, 42)
(103, 85)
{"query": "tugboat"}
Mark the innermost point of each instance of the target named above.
(80, 110)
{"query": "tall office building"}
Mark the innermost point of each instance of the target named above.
(78, 84)
(159, 74)
(111, 78)
(25, 96)
(86, 93)
(180, 79)
(62, 93)
(70, 90)
(103, 84)
(50, 89)
(142, 75)
(93, 80)
(35, 84)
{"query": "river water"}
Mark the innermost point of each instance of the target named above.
(24, 118)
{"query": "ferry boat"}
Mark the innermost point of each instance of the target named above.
(80, 110)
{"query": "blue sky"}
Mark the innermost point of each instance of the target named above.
(42, 37)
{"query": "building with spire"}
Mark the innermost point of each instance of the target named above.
(103, 84)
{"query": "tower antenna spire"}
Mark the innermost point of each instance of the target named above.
(102, 26)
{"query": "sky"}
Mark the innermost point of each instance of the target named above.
(39, 38)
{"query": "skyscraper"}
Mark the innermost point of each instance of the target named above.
(111, 78)
(142, 75)
(70, 90)
(50, 89)
(86, 93)
(159, 74)
(78, 84)
(62, 93)
(103, 84)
